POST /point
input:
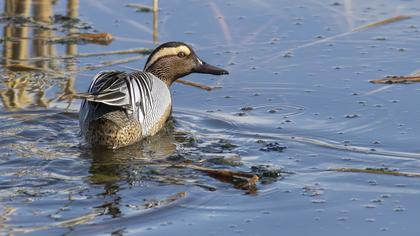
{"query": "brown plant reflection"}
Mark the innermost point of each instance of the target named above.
(155, 21)
(27, 52)
(33, 33)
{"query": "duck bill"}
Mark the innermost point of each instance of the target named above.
(205, 68)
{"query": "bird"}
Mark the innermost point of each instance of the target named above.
(122, 108)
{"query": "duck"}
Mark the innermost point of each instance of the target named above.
(122, 108)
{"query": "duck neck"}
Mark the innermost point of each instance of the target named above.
(163, 73)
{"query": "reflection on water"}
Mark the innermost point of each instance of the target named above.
(27, 32)
(127, 163)
(134, 164)
(20, 91)
(32, 31)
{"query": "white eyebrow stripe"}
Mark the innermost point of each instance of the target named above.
(168, 52)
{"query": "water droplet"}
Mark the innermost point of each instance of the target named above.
(385, 195)
(350, 116)
(377, 200)
(318, 201)
(342, 218)
(370, 206)
(372, 182)
(288, 55)
(399, 209)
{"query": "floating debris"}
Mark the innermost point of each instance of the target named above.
(318, 201)
(351, 116)
(288, 54)
(240, 179)
(70, 22)
(397, 80)
(267, 173)
(234, 160)
(313, 191)
(382, 22)
(248, 108)
(140, 7)
(384, 171)
(240, 114)
(177, 158)
(218, 147)
(198, 85)
(273, 147)
(111, 63)
(399, 209)
(96, 38)
(168, 200)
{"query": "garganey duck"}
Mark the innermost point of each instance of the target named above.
(122, 108)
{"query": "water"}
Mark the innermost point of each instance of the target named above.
(298, 79)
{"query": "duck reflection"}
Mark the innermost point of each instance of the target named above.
(131, 165)
(109, 166)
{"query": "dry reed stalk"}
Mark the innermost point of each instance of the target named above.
(397, 80)
(197, 85)
(111, 63)
(248, 180)
(382, 22)
(376, 171)
(98, 38)
(140, 7)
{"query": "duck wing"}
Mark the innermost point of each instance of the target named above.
(111, 88)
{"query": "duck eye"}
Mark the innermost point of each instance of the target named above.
(181, 54)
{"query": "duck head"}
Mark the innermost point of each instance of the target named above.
(173, 60)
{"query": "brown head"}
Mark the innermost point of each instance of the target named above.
(173, 60)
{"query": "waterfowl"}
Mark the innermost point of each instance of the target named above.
(121, 108)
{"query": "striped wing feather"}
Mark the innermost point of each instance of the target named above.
(131, 91)
(111, 88)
